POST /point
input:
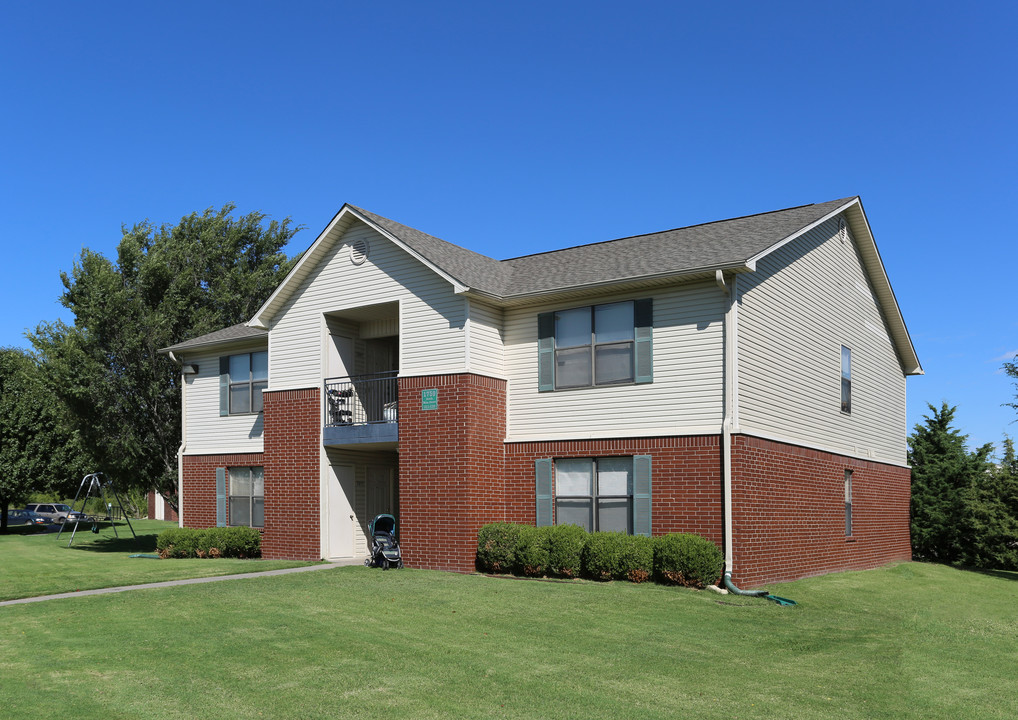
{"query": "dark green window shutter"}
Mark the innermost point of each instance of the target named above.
(643, 312)
(220, 497)
(224, 385)
(641, 495)
(546, 352)
(542, 470)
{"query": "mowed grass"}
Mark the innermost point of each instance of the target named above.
(34, 563)
(908, 641)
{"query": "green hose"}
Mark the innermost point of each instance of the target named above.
(755, 593)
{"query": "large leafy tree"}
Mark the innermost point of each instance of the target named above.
(167, 284)
(944, 472)
(38, 449)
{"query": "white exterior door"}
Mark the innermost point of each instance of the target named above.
(339, 512)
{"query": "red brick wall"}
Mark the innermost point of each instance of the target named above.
(789, 512)
(450, 468)
(199, 485)
(685, 479)
(293, 426)
(168, 512)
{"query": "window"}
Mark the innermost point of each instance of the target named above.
(846, 380)
(241, 381)
(247, 496)
(848, 503)
(594, 345)
(608, 494)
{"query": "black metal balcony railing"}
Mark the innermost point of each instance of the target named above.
(361, 399)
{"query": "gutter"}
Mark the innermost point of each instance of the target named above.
(183, 439)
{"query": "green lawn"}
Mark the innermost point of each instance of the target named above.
(34, 563)
(913, 640)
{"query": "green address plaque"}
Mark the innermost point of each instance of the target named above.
(429, 399)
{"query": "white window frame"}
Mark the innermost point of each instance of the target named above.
(251, 500)
(846, 380)
(595, 496)
(254, 385)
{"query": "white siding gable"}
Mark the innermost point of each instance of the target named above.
(803, 303)
(431, 316)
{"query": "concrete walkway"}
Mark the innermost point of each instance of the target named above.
(188, 581)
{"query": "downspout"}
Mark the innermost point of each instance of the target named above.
(731, 308)
(183, 441)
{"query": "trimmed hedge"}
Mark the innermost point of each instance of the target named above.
(569, 551)
(565, 550)
(530, 557)
(219, 542)
(687, 559)
(496, 547)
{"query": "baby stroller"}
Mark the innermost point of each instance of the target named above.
(384, 546)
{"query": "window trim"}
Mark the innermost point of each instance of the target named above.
(227, 384)
(641, 346)
(846, 380)
(639, 497)
(250, 498)
(848, 503)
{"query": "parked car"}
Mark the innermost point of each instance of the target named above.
(25, 517)
(56, 512)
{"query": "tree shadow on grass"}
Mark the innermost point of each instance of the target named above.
(84, 539)
(1003, 574)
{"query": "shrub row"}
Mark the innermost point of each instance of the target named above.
(569, 551)
(219, 542)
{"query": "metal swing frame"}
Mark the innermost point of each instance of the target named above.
(103, 490)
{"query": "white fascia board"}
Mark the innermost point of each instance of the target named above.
(764, 253)
(297, 272)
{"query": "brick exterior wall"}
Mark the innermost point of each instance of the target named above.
(199, 485)
(788, 512)
(450, 468)
(293, 442)
(685, 479)
(168, 512)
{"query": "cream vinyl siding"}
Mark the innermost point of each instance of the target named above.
(207, 432)
(803, 303)
(685, 397)
(430, 325)
(487, 356)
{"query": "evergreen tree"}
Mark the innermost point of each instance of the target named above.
(993, 510)
(210, 271)
(943, 475)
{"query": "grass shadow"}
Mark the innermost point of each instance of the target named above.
(85, 540)
(1003, 574)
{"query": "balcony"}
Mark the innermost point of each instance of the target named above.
(361, 409)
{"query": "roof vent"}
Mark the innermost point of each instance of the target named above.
(359, 252)
(842, 230)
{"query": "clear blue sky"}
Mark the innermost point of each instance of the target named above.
(512, 128)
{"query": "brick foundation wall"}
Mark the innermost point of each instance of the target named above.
(198, 500)
(450, 468)
(685, 479)
(293, 427)
(789, 512)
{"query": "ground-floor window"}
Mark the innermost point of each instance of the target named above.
(608, 494)
(247, 496)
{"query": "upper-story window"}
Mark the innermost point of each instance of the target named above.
(608, 344)
(846, 380)
(241, 381)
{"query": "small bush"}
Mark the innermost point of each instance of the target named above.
(496, 547)
(602, 555)
(687, 559)
(637, 559)
(530, 557)
(226, 542)
(565, 550)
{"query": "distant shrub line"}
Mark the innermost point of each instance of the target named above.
(568, 551)
(218, 542)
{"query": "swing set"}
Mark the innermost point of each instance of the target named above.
(100, 491)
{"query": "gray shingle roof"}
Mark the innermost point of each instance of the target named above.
(230, 334)
(725, 243)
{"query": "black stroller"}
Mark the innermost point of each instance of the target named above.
(384, 546)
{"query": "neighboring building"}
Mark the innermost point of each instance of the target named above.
(742, 379)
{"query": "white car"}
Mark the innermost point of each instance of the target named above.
(56, 512)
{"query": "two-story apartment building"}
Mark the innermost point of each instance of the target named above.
(742, 379)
